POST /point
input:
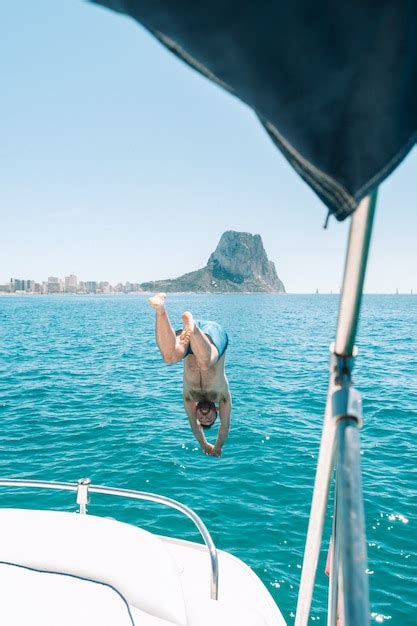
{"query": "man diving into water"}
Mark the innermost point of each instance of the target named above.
(202, 345)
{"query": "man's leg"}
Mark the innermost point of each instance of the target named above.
(172, 348)
(204, 351)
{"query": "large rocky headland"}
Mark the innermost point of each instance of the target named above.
(238, 264)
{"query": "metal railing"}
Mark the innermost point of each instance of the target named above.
(348, 584)
(84, 487)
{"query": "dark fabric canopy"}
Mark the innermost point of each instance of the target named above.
(333, 82)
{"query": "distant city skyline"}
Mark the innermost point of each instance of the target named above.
(119, 161)
(68, 284)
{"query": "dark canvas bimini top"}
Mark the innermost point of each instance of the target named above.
(333, 82)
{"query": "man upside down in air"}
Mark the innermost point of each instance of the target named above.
(202, 345)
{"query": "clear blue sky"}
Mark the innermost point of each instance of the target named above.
(119, 163)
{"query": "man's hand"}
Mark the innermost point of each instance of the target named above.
(207, 448)
(211, 450)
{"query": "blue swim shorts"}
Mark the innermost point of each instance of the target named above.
(215, 332)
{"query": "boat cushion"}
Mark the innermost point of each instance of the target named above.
(35, 598)
(220, 613)
(128, 558)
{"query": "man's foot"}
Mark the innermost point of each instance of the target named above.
(157, 301)
(188, 327)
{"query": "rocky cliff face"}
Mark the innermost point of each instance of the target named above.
(239, 263)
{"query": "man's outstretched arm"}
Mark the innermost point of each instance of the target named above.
(190, 408)
(225, 410)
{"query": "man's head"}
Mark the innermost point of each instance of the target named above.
(206, 413)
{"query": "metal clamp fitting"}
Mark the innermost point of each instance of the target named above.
(341, 365)
(346, 400)
(82, 494)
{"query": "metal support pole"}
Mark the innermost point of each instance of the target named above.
(324, 472)
(354, 275)
(350, 523)
(333, 574)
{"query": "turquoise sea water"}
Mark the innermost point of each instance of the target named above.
(83, 392)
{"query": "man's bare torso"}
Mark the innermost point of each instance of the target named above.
(201, 384)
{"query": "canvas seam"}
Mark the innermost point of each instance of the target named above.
(90, 580)
(173, 45)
